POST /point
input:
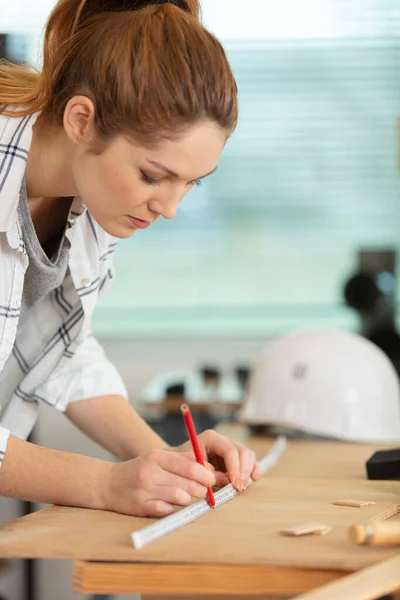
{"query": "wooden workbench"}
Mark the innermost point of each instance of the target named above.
(308, 476)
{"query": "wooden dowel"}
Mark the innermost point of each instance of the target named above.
(375, 534)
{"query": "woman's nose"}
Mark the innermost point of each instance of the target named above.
(166, 207)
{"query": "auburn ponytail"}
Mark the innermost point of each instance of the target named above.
(149, 67)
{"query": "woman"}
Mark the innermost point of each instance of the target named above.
(133, 106)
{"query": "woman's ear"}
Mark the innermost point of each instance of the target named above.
(78, 118)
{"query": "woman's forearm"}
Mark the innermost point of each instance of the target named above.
(112, 423)
(31, 472)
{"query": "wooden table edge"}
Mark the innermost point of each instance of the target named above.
(93, 577)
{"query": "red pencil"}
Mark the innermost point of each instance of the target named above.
(187, 417)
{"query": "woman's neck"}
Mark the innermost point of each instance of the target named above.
(48, 172)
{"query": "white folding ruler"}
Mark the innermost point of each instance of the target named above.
(144, 536)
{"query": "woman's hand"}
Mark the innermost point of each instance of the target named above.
(232, 461)
(153, 483)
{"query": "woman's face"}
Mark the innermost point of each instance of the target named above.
(128, 186)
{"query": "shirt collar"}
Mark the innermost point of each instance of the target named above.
(77, 209)
(15, 141)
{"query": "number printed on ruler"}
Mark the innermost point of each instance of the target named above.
(225, 494)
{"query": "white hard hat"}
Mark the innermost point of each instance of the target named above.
(326, 382)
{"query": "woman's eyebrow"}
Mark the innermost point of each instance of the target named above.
(173, 173)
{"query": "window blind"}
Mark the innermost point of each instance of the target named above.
(308, 179)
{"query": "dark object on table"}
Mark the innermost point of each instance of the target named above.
(3, 52)
(384, 464)
(211, 375)
(177, 389)
(242, 373)
(172, 429)
(261, 430)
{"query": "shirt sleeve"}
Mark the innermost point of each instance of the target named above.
(88, 375)
(4, 435)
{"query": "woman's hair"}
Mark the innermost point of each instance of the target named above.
(149, 67)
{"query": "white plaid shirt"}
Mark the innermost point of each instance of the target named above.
(60, 360)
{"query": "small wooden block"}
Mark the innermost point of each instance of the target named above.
(307, 529)
(354, 503)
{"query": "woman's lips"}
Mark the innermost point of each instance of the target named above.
(138, 223)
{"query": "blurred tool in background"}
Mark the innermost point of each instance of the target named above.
(377, 320)
(371, 291)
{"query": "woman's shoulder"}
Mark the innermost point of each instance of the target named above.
(16, 129)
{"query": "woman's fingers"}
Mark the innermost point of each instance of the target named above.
(186, 466)
(240, 462)
(224, 448)
(247, 464)
(256, 472)
(233, 462)
(157, 508)
(194, 489)
(171, 495)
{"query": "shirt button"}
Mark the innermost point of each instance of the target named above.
(85, 282)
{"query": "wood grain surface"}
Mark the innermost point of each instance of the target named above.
(320, 459)
(226, 580)
(244, 531)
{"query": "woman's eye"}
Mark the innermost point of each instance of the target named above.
(149, 180)
(152, 181)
